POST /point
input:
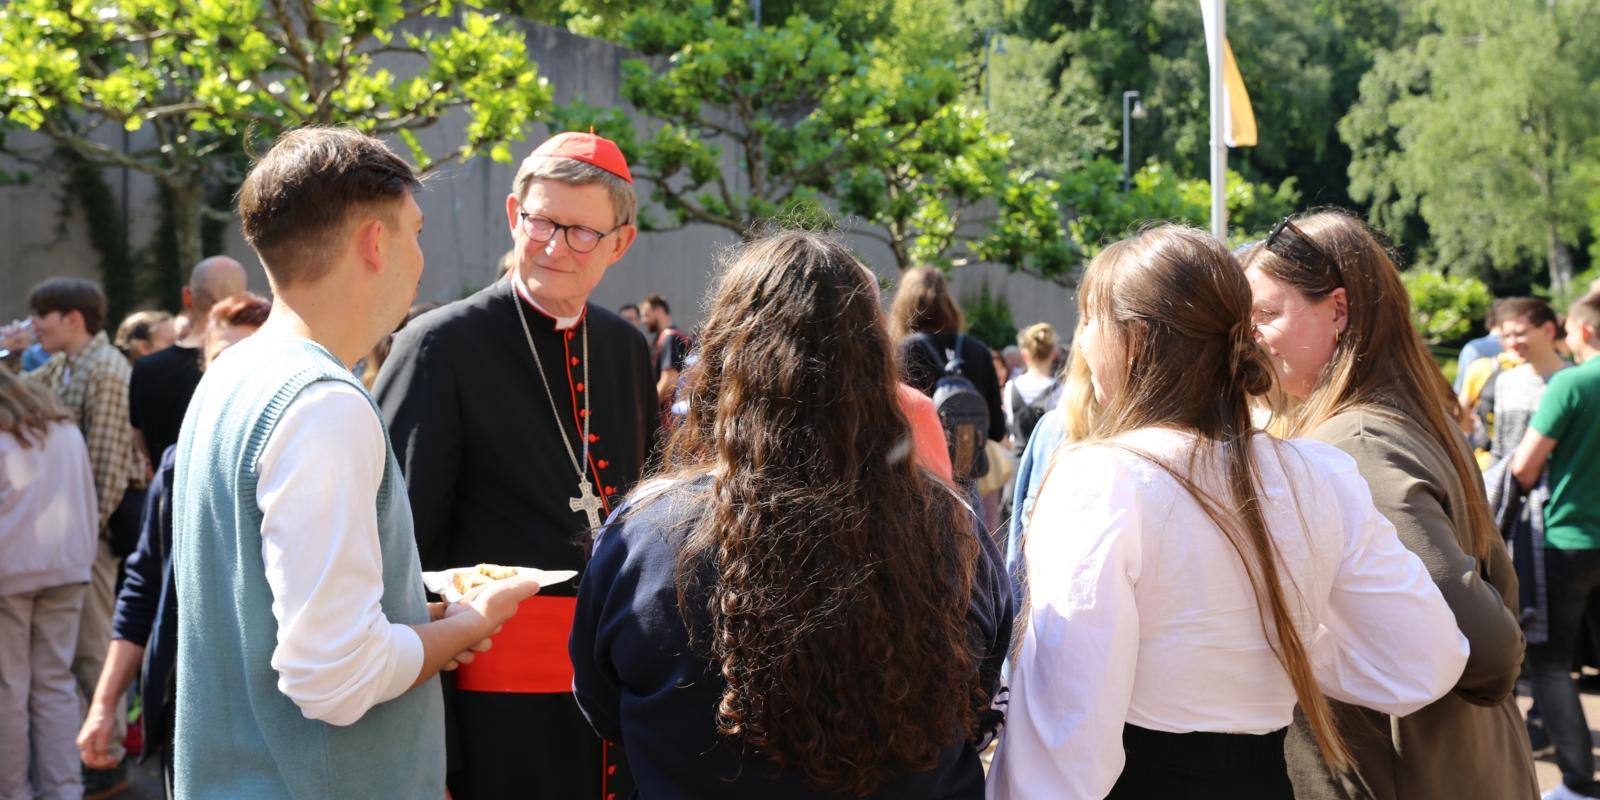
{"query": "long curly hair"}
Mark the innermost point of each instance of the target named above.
(835, 573)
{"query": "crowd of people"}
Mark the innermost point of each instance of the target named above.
(1235, 537)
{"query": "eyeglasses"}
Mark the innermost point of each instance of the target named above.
(1287, 241)
(579, 239)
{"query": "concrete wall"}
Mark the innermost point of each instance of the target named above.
(466, 229)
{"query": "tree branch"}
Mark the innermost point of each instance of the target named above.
(873, 234)
(100, 153)
(700, 214)
(291, 42)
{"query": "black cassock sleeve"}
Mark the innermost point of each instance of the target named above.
(420, 396)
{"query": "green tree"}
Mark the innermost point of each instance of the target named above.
(1445, 307)
(988, 317)
(876, 132)
(1103, 213)
(213, 77)
(855, 20)
(1485, 128)
(1300, 61)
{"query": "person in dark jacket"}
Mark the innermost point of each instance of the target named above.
(793, 607)
(144, 626)
(926, 324)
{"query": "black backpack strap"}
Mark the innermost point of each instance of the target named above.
(926, 340)
(1017, 403)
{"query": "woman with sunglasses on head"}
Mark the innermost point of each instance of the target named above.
(793, 608)
(1330, 308)
(1190, 578)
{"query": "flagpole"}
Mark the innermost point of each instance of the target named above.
(1219, 144)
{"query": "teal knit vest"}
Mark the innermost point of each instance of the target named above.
(237, 736)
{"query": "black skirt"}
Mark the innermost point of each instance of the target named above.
(1201, 766)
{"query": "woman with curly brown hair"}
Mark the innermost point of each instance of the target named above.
(793, 608)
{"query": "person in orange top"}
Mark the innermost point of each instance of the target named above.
(927, 432)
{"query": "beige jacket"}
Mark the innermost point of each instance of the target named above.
(1472, 742)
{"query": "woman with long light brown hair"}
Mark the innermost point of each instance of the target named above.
(1190, 579)
(1330, 308)
(1069, 421)
(926, 325)
(49, 525)
(793, 607)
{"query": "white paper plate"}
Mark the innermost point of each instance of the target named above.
(440, 582)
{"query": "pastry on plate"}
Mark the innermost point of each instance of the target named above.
(468, 579)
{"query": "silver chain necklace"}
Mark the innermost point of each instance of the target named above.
(586, 501)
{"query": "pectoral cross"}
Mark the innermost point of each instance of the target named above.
(587, 502)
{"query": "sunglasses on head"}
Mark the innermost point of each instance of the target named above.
(1288, 242)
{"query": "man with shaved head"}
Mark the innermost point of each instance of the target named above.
(163, 381)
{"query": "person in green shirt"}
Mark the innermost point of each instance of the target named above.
(1564, 436)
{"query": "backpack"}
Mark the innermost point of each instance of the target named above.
(1025, 416)
(963, 412)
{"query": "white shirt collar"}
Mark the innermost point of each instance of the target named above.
(562, 323)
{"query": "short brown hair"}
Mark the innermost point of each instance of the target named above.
(301, 196)
(922, 304)
(1586, 311)
(71, 294)
(1537, 312)
(657, 301)
(244, 308)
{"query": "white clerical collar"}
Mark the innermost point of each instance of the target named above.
(562, 323)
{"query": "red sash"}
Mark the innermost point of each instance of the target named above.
(529, 655)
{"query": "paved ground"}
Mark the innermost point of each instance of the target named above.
(1549, 776)
(147, 779)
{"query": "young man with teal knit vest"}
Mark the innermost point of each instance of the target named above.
(307, 653)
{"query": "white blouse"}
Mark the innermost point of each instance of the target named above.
(1140, 610)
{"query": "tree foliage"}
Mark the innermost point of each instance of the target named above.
(206, 78)
(876, 132)
(1445, 307)
(1488, 129)
(1103, 213)
(1301, 62)
(988, 318)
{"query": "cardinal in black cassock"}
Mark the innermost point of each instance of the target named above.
(493, 403)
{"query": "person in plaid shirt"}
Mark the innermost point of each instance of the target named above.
(90, 378)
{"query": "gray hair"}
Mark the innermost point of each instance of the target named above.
(578, 173)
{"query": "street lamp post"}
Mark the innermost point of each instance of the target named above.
(1132, 109)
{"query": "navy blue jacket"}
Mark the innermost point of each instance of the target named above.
(147, 606)
(641, 684)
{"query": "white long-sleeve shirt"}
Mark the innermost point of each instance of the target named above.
(1142, 613)
(337, 654)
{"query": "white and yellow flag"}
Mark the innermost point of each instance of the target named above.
(1239, 124)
